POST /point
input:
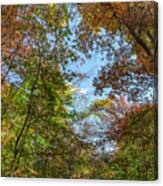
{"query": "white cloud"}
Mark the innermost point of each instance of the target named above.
(83, 91)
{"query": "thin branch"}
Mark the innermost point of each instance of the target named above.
(17, 146)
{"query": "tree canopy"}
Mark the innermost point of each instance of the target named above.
(79, 90)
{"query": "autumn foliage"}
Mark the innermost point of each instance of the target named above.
(46, 50)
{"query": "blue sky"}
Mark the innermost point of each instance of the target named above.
(93, 59)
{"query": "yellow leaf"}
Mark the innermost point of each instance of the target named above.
(63, 23)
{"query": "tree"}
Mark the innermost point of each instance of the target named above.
(35, 123)
(137, 22)
(136, 157)
(12, 43)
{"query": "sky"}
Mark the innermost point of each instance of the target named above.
(89, 62)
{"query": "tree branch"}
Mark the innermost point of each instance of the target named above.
(135, 36)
